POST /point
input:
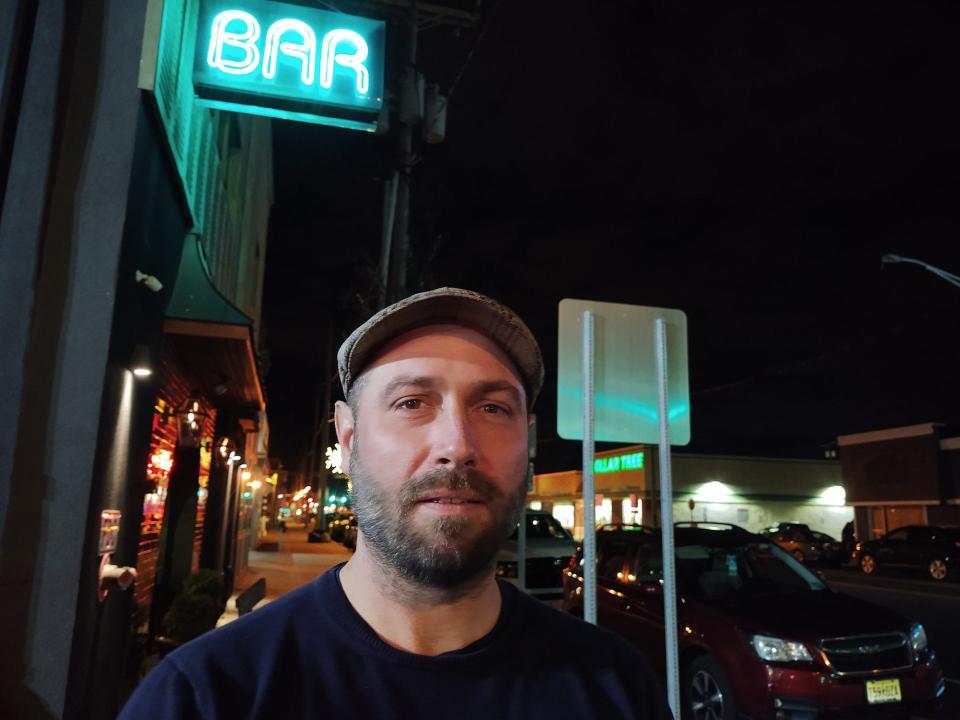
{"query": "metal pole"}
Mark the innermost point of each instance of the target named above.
(401, 243)
(666, 514)
(589, 494)
(321, 486)
(389, 219)
(522, 551)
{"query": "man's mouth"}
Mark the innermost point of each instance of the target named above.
(451, 498)
(452, 501)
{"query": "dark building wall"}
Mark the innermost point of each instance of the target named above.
(902, 469)
(951, 474)
(104, 664)
(943, 515)
(60, 237)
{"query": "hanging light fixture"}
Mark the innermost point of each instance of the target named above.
(190, 417)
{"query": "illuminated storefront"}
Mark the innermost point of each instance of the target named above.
(754, 493)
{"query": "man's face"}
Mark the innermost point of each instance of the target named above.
(439, 468)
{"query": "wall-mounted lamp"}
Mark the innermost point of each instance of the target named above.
(190, 417)
(140, 364)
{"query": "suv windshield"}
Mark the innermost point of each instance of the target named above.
(543, 526)
(736, 570)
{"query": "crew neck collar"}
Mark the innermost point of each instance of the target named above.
(334, 601)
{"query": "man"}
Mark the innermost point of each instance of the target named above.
(434, 435)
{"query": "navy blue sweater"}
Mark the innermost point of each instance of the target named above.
(310, 655)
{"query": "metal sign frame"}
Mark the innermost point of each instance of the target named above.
(659, 342)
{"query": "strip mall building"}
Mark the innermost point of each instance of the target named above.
(751, 492)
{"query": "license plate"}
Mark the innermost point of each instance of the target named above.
(883, 691)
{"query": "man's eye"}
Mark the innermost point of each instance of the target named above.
(411, 404)
(493, 409)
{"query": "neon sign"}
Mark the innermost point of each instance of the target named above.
(289, 61)
(631, 461)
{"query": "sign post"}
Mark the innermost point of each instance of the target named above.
(666, 513)
(623, 377)
(589, 487)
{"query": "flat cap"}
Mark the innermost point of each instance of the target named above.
(445, 305)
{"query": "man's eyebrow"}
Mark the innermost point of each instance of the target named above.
(423, 382)
(491, 386)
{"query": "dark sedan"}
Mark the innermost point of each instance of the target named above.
(760, 635)
(934, 551)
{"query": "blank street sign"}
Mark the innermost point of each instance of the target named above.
(625, 373)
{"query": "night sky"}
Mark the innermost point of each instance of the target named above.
(749, 165)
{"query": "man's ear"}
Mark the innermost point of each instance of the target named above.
(344, 422)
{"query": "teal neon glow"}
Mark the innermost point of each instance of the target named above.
(244, 41)
(305, 51)
(329, 58)
(630, 461)
(290, 61)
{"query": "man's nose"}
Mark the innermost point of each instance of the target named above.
(453, 439)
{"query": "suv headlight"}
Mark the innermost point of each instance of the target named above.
(777, 650)
(918, 638)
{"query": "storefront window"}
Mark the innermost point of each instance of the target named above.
(564, 513)
(604, 512)
(632, 515)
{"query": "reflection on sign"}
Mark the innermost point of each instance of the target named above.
(631, 461)
(290, 61)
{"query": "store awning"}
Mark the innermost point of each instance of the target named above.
(212, 339)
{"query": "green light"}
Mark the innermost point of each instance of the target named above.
(630, 461)
(290, 61)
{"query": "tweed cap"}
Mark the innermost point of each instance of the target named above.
(445, 305)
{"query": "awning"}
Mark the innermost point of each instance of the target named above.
(211, 338)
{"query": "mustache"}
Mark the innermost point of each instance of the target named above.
(441, 479)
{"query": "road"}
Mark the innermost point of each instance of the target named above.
(936, 605)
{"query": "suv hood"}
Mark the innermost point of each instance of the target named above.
(808, 616)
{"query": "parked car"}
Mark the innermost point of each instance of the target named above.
(933, 550)
(760, 635)
(831, 549)
(549, 549)
(797, 539)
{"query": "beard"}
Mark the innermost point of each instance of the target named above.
(443, 553)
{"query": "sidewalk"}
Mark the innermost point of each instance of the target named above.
(287, 561)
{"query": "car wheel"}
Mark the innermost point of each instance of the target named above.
(707, 692)
(868, 564)
(937, 569)
(798, 555)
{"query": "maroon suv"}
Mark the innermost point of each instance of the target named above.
(761, 636)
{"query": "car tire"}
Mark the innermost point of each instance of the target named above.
(937, 569)
(798, 556)
(868, 564)
(707, 694)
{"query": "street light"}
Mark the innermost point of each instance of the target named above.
(890, 259)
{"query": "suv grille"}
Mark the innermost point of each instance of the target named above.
(545, 572)
(867, 654)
